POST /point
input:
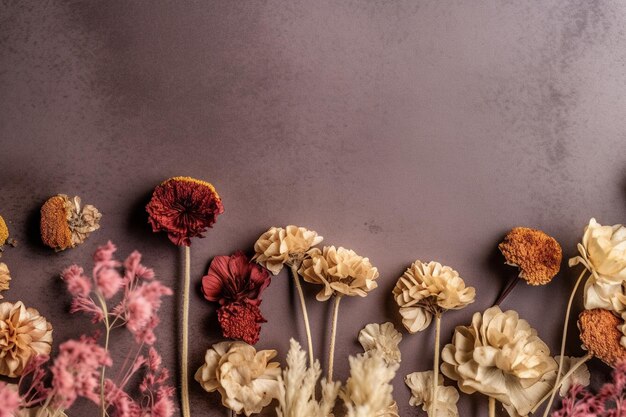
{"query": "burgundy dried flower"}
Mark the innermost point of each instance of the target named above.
(235, 278)
(184, 208)
(241, 321)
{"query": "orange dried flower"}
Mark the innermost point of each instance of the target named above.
(537, 254)
(4, 232)
(600, 335)
(65, 224)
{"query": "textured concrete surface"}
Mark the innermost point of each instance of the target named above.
(401, 129)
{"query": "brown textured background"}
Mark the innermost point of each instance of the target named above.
(401, 129)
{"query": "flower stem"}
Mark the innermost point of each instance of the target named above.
(563, 340)
(333, 336)
(185, 345)
(492, 407)
(107, 334)
(433, 403)
(558, 385)
(507, 290)
(305, 314)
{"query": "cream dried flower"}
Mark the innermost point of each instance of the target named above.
(245, 378)
(421, 385)
(5, 277)
(382, 338)
(341, 271)
(297, 387)
(368, 391)
(430, 288)
(501, 356)
(580, 376)
(23, 333)
(279, 246)
(603, 252)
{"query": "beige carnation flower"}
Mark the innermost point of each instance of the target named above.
(421, 385)
(368, 391)
(244, 377)
(430, 288)
(501, 356)
(23, 333)
(603, 251)
(341, 271)
(5, 277)
(382, 338)
(279, 246)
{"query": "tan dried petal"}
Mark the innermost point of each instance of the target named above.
(341, 271)
(23, 333)
(421, 385)
(382, 338)
(537, 254)
(5, 277)
(245, 378)
(427, 288)
(600, 334)
(580, 376)
(279, 246)
(64, 224)
(501, 356)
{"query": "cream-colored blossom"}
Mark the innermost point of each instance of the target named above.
(82, 221)
(501, 356)
(368, 391)
(580, 376)
(421, 385)
(245, 378)
(5, 277)
(23, 333)
(297, 385)
(341, 271)
(279, 246)
(430, 288)
(382, 338)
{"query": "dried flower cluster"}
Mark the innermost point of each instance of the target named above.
(237, 284)
(382, 339)
(245, 378)
(501, 356)
(5, 278)
(426, 289)
(340, 271)
(65, 224)
(421, 385)
(288, 246)
(537, 254)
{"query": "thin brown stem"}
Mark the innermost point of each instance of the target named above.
(507, 290)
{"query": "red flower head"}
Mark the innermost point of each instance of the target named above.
(241, 321)
(184, 208)
(235, 279)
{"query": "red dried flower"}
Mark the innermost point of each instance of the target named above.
(241, 321)
(235, 278)
(184, 208)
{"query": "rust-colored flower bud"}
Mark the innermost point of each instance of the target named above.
(600, 335)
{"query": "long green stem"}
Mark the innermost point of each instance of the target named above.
(305, 314)
(558, 385)
(184, 365)
(492, 407)
(333, 336)
(433, 408)
(563, 342)
(107, 333)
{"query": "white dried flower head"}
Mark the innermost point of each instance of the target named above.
(23, 334)
(341, 271)
(580, 376)
(368, 390)
(382, 338)
(421, 385)
(430, 288)
(245, 378)
(501, 356)
(279, 246)
(297, 387)
(5, 277)
(603, 252)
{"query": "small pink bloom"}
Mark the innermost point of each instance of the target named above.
(9, 400)
(77, 283)
(109, 282)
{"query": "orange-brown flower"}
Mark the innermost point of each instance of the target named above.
(537, 254)
(600, 334)
(4, 232)
(65, 224)
(184, 207)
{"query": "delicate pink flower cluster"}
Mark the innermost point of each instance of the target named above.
(10, 400)
(610, 401)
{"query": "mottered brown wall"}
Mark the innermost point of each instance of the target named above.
(400, 129)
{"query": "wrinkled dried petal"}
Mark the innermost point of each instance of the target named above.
(383, 339)
(580, 376)
(421, 385)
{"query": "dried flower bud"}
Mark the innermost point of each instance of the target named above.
(600, 335)
(5, 277)
(537, 254)
(64, 224)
